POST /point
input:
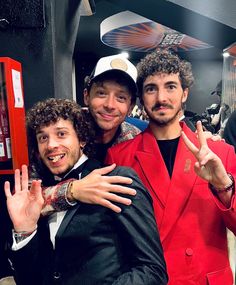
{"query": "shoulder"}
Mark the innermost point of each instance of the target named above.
(221, 148)
(136, 184)
(123, 171)
(140, 124)
(128, 143)
(128, 131)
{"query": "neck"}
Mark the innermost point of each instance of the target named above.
(107, 135)
(166, 132)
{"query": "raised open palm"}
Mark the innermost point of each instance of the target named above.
(24, 205)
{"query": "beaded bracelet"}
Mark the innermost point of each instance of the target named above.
(227, 188)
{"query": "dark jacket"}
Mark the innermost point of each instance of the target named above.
(96, 246)
(230, 130)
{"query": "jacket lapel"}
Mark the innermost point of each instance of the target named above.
(85, 168)
(66, 220)
(181, 185)
(173, 194)
(153, 167)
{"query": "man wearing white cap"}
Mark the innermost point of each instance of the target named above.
(110, 94)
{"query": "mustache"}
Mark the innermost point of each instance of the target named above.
(158, 106)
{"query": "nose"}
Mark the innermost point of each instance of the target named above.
(110, 102)
(161, 95)
(52, 143)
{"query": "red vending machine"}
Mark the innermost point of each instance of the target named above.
(13, 139)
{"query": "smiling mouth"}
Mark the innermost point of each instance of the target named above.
(56, 157)
(107, 116)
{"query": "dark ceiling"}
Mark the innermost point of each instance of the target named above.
(214, 32)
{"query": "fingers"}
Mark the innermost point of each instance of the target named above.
(7, 189)
(216, 138)
(21, 181)
(24, 177)
(114, 198)
(105, 170)
(118, 179)
(17, 181)
(109, 205)
(201, 137)
(189, 144)
(118, 199)
(208, 134)
(122, 190)
(36, 186)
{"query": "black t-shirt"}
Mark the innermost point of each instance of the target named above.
(168, 150)
(101, 148)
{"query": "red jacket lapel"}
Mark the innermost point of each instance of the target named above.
(181, 186)
(172, 194)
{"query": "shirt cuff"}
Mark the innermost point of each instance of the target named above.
(17, 246)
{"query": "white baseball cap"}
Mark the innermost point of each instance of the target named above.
(116, 64)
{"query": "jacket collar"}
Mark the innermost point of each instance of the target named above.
(172, 194)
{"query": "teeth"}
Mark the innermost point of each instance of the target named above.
(55, 158)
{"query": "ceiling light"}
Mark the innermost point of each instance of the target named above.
(226, 54)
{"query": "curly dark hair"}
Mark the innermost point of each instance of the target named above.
(164, 61)
(50, 111)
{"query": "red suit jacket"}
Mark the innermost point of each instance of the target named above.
(191, 220)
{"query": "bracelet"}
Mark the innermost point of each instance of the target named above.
(227, 188)
(69, 190)
(20, 236)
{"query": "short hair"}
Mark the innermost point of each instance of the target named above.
(49, 112)
(164, 61)
(111, 76)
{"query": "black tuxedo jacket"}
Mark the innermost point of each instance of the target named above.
(96, 246)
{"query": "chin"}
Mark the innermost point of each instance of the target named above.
(57, 171)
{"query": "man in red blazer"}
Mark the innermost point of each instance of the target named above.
(191, 179)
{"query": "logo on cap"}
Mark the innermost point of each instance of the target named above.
(119, 63)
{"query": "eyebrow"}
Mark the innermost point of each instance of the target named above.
(171, 82)
(57, 128)
(149, 84)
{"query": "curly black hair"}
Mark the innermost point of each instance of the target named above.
(164, 61)
(49, 112)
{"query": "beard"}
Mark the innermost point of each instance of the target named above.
(162, 120)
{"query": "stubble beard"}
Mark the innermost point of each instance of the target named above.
(165, 121)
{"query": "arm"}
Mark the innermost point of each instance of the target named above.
(140, 238)
(210, 168)
(95, 188)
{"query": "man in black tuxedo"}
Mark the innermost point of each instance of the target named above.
(88, 244)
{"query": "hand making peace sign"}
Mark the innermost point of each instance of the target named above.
(208, 165)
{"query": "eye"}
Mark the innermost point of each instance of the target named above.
(100, 93)
(150, 89)
(171, 86)
(42, 138)
(61, 134)
(122, 98)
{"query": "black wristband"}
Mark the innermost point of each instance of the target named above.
(227, 188)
